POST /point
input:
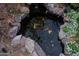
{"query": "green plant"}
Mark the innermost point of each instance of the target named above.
(71, 27)
(65, 29)
(12, 11)
(73, 48)
(72, 30)
(74, 5)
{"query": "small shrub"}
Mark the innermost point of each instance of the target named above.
(71, 27)
(73, 48)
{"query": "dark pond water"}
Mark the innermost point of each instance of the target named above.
(49, 42)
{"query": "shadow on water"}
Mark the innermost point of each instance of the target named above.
(50, 43)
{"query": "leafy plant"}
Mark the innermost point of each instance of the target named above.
(73, 48)
(65, 29)
(71, 27)
(74, 5)
(12, 11)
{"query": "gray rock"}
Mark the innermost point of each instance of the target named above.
(23, 15)
(23, 40)
(18, 18)
(34, 53)
(39, 50)
(32, 47)
(13, 31)
(25, 10)
(16, 24)
(29, 45)
(23, 49)
(55, 8)
(5, 54)
(62, 34)
(61, 54)
(16, 40)
(1, 46)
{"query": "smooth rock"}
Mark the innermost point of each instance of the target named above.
(16, 40)
(29, 45)
(39, 50)
(23, 49)
(23, 40)
(61, 54)
(62, 34)
(34, 54)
